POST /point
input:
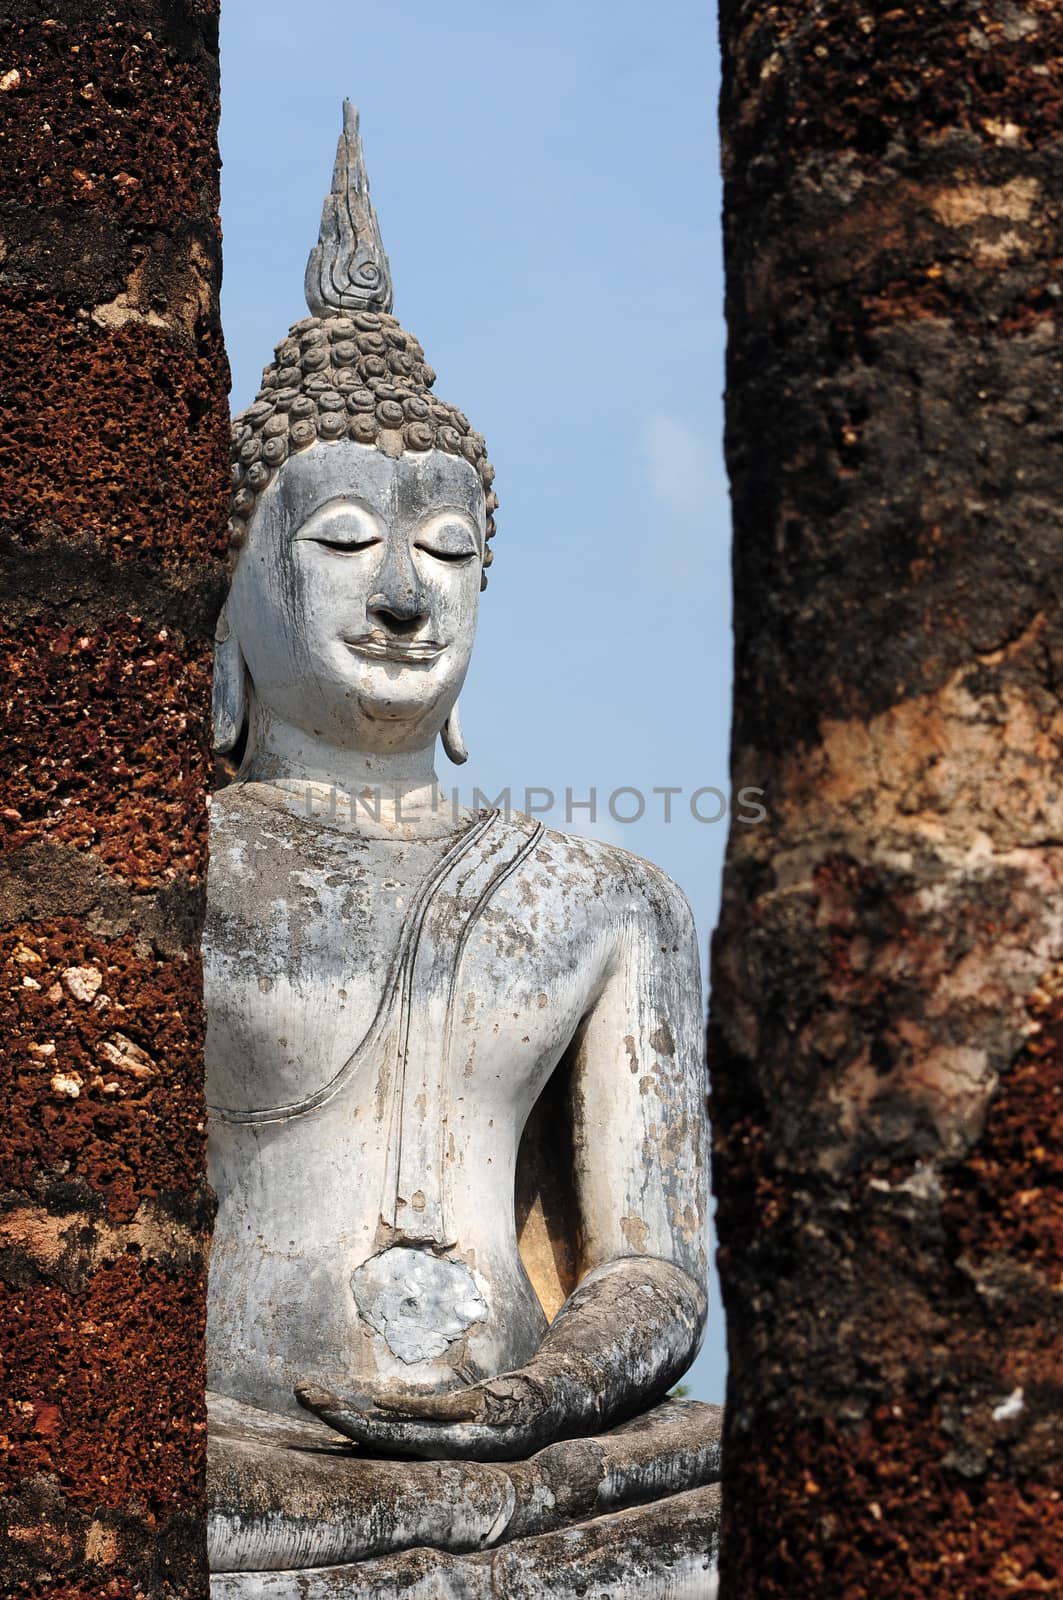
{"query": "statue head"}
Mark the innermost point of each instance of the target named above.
(361, 510)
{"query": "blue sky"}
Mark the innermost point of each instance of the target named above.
(546, 180)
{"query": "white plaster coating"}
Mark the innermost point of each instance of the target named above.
(342, 1072)
(349, 556)
(666, 1551)
(417, 1301)
(347, 269)
(389, 997)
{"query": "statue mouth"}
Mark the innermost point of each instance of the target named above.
(377, 648)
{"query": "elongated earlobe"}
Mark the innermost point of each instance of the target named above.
(230, 687)
(453, 740)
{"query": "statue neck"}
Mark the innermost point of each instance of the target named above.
(377, 790)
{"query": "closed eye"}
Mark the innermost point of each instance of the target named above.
(347, 544)
(454, 556)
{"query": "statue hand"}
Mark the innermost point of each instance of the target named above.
(513, 1399)
(620, 1341)
(497, 1419)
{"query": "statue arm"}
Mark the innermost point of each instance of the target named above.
(637, 1098)
(633, 1323)
(637, 1093)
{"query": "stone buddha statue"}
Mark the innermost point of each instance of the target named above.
(454, 1060)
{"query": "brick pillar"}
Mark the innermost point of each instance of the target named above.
(114, 467)
(887, 1038)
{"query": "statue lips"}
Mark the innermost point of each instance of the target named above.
(411, 652)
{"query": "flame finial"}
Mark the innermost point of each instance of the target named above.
(348, 270)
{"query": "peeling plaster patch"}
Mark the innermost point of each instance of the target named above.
(117, 312)
(972, 202)
(1010, 1408)
(998, 252)
(419, 1302)
(118, 1051)
(662, 1040)
(923, 1184)
(101, 1545)
(1004, 132)
(71, 1249)
(635, 1232)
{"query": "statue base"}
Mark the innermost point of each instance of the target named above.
(632, 1514)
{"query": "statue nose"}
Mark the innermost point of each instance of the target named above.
(398, 603)
(397, 612)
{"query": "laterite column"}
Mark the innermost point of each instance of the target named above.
(113, 496)
(887, 1039)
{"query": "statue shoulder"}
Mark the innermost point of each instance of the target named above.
(226, 815)
(232, 804)
(222, 803)
(231, 819)
(624, 884)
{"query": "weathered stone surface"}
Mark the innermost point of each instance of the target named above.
(887, 1074)
(113, 470)
(666, 1551)
(85, 1097)
(89, 712)
(393, 992)
(347, 269)
(289, 1494)
(111, 112)
(286, 1494)
(149, 475)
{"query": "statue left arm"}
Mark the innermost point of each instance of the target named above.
(632, 1325)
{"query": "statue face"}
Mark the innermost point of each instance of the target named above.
(355, 598)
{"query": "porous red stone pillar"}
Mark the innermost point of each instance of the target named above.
(887, 1039)
(113, 466)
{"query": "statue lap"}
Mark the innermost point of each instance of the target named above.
(317, 1518)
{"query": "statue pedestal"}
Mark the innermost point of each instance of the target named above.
(631, 1514)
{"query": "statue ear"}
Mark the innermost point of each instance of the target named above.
(453, 740)
(230, 686)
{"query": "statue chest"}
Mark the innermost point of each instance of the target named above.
(299, 928)
(382, 1020)
(402, 1002)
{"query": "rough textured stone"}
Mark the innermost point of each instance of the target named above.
(107, 1090)
(113, 466)
(286, 1494)
(96, 719)
(666, 1551)
(888, 971)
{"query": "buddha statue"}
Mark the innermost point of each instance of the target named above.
(454, 1060)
